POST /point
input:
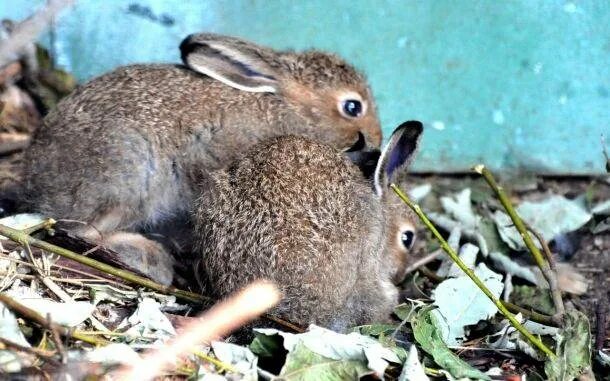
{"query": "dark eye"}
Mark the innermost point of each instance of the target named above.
(407, 237)
(352, 108)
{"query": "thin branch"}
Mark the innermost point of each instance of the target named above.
(31, 315)
(44, 225)
(57, 340)
(26, 32)
(221, 319)
(24, 239)
(46, 355)
(511, 318)
(545, 268)
(422, 262)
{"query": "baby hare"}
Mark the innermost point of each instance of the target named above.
(118, 153)
(299, 213)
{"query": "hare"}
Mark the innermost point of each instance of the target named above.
(297, 212)
(119, 152)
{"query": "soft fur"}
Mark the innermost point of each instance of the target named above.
(299, 213)
(119, 153)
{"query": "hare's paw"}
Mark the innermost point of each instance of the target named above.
(141, 253)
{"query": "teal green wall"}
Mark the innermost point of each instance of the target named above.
(513, 84)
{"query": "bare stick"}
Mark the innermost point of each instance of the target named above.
(46, 355)
(24, 239)
(12, 142)
(545, 268)
(30, 314)
(511, 318)
(44, 225)
(26, 32)
(221, 319)
(57, 340)
(422, 262)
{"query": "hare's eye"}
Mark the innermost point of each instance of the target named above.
(407, 238)
(352, 108)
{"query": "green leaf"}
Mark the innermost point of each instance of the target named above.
(404, 311)
(375, 330)
(339, 347)
(304, 365)
(573, 349)
(427, 334)
(538, 299)
(266, 345)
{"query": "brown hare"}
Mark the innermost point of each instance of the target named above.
(299, 213)
(118, 153)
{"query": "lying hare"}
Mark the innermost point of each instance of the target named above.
(119, 151)
(297, 212)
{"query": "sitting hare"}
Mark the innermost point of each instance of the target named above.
(299, 213)
(118, 153)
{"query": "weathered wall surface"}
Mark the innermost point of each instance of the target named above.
(517, 84)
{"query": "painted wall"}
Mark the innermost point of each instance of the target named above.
(513, 84)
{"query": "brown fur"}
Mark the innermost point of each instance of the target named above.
(299, 213)
(126, 143)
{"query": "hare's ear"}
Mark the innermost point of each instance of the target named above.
(397, 155)
(230, 60)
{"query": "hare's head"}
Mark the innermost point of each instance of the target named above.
(392, 169)
(319, 87)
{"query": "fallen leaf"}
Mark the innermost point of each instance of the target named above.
(241, 358)
(69, 314)
(461, 303)
(551, 217)
(428, 335)
(339, 349)
(573, 349)
(413, 370)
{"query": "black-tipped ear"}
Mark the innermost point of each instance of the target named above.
(398, 154)
(232, 61)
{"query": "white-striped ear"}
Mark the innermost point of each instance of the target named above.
(232, 61)
(397, 154)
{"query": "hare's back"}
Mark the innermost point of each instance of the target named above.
(315, 199)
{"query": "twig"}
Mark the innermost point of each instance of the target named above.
(44, 225)
(511, 318)
(545, 268)
(12, 142)
(94, 278)
(57, 340)
(24, 239)
(34, 316)
(216, 322)
(26, 32)
(46, 355)
(10, 71)
(422, 262)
